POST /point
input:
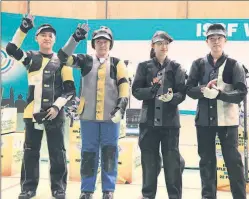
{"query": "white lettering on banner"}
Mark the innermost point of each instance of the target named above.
(246, 26)
(231, 29)
(198, 30)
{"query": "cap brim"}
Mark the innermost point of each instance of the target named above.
(160, 38)
(216, 32)
(102, 35)
(46, 29)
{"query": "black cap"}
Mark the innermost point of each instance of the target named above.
(161, 36)
(45, 28)
(216, 29)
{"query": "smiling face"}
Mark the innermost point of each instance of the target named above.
(46, 40)
(161, 48)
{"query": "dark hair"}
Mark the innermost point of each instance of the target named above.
(152, 53)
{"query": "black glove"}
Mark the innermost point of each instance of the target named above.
(40, 117)
(71, 110)
(27, 23)
(155, 87)
(81, 32)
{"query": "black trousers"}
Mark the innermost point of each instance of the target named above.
(207, 151)
(57, 155)
(172, 160)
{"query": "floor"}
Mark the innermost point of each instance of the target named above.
(191, 187)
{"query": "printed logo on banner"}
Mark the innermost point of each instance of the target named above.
(6, 61)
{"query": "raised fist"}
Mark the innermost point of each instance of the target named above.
(27, 23)
(81, 32)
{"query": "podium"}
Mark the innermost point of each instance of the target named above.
(74, 151)
(11, 143)
(129, 168)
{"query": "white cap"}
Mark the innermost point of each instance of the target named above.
(102, 34)
(216, 32)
